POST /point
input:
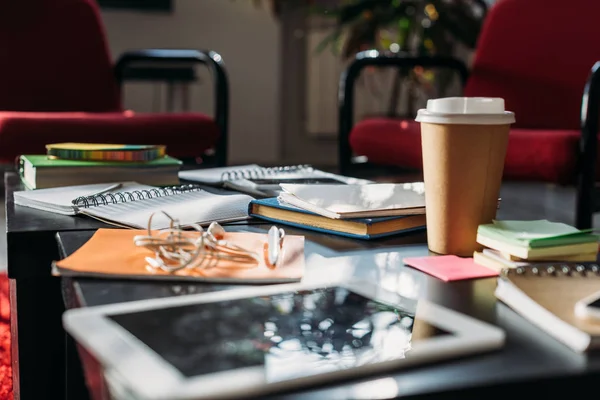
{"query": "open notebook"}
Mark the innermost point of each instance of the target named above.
(265, 181)
(357, 201)
(131, 204)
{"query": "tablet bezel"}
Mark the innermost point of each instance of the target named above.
(152, 377)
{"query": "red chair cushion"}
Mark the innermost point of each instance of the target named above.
(185, 135)
(538, 155)
(388, 142)
(539, 68)
(55, 58)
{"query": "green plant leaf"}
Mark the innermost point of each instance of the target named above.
(330, 41)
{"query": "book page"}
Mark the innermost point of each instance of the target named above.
(198, 207)
(360, 198)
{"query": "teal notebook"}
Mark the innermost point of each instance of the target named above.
(536, 234)
(273, 210)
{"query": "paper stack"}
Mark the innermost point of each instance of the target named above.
(510, 244)
(354, 210)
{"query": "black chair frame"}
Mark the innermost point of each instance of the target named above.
(587, 200)
(176, 64)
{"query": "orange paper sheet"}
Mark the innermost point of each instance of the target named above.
(111, 253)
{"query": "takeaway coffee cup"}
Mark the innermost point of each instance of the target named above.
(464, 145)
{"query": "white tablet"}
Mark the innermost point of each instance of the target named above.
(259, 340)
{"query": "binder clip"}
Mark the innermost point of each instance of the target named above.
(273, 246)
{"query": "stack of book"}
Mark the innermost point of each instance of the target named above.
(353, 210)
(511, 244)
(67, 164)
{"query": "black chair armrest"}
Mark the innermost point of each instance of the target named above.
(373, 58)
(185, 59)
(586, 179)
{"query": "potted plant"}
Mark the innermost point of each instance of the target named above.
(415, 27)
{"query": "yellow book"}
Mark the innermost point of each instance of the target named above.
(481, 259)
(586, 257)
(539, 253)
(496, 263)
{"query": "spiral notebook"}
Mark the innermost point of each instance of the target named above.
(130, 204)
(546, 296)
(265, 181)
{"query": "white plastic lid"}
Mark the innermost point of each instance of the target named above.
(466, 110)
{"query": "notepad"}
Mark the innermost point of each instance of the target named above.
(537, 240)
(132, 204)
(60, 200)
(357, 201)
(112, 253)
(536, 233)
(450, 268)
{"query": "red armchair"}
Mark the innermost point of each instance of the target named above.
(58, 84)
(536, 55)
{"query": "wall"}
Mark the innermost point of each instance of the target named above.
(247, 38)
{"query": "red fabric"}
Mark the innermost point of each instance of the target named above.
(6, 392)
(549, 155)
(54, 57)
(537, 55)
(185, 135)
(388, 142)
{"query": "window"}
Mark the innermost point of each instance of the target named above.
(149, 5)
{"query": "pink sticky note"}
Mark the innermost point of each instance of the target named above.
(450, 268)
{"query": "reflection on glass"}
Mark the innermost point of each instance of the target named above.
(293, 334)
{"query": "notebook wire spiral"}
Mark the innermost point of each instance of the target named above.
(556, 269)
(264, 172)
(135, 195)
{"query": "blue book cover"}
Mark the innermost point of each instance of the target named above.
(275, 203)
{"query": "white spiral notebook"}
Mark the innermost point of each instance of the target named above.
(131, 204)
(265, 181)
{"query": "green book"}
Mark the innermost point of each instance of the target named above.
(43, 161)
(536, 234)
(41, 171)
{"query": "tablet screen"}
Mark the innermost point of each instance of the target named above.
(289, 334)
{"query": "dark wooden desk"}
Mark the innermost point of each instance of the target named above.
(39, 344)
(530, 360)
(45, 363)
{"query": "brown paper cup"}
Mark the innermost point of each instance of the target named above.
(462, 167)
